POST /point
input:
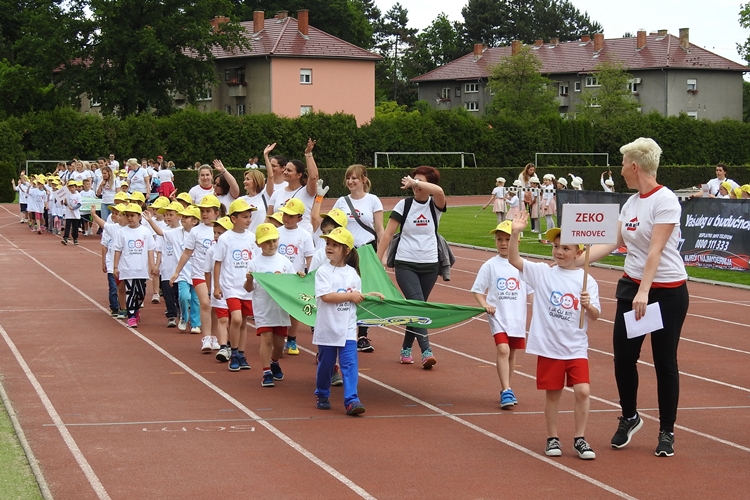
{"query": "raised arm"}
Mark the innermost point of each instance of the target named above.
(98, 220)
(147, 215)
(234, 188)
(434, 190)
(519, 224)
(312, 169)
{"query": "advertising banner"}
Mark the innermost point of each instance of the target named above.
(716, 233)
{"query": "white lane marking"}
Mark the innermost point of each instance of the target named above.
(283, 437)
(61, 428)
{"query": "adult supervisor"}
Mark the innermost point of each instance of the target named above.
(649, 225)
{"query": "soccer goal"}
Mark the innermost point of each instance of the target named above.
(38, 166)
(537, 155)
(388, 154)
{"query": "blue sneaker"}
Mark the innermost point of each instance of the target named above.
(276, 371)
(243, 362)
(355, 408)
(234, 363)
(267, 379)
(291, 347)
(506, 399)
(322, 403)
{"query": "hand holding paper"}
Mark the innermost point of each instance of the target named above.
(649, 322)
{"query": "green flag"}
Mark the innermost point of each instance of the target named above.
(297, 296)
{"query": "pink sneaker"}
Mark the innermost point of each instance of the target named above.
(406, 358)
(132, 323)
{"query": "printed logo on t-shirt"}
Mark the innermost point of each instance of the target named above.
(242, 255)
(563, 306)
(632, 224)
(421, 220)
(207, 242)
(510, 284)
(344, 306)
(135, 247)
(289, 251)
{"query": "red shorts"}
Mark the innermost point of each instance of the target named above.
(550, 373)
(513, 342)
(221, 312)
(246, 306)
(276, 330)
(197, 282)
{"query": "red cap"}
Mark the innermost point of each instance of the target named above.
(160, 156)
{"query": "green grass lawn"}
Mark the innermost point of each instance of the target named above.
(16, 480)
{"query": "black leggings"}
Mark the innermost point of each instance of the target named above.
(416, 286)
(674, 305)
(135, 292)
(71, 224)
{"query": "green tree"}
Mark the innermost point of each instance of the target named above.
(438, 44)
(612, 99)
(498, 22)
(520, 89)
(745, 101)
(744, 48)
(142, 50)
(394, 38)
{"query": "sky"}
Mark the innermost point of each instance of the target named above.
(714, 25)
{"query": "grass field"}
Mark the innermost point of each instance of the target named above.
(16, 480)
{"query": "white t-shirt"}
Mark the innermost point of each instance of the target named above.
(137, 180)
(176, 239)
(418, 241)
(22, 195)
(108, 195)
(505, 290)
(280, 186)
(335, 323)
(199, 239)
(134, 245)
(169, 256)
(208, 268)
(114, 164)
(638, 216)
(366, 208)
(499, 192)
(35, 200)
(267, 311)
(97, 178)
(319, 258)
(554, 331)
(259, 201)
(73, 200)
(87, 194)
(109, 233)
(80, 176)
(715, 184)
(197, 193)
(281, 196)
(296, 245)
(165, 175)
(226, 200)
(235, 251)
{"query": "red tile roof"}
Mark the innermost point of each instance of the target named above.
(281, 38)
(579, 57)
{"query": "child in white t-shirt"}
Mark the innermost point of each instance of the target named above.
(271, 321)
(189, 303)
(166, 256)
(87, 192)
(72, 205)
(338, 291)
(554, 336)
(109, 233)
(500, 291)
(219, 308)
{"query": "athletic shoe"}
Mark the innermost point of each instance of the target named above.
(243, 362)
(138, 316)
(234, 363)
(215, 346)
(322, 403)
(406, 358)
(224, 354)
(132, 323)
(75, 242)
(291, 347)
(276, 371)
(363, 345)
(267, 379)
(355, 408)
(206, 344)
(195, 329)
(123, 314)
(64, 241)
(155, 298)
(336, 379)
(665, 448)
(625, 431)
(182, 325)
(584, 450)
(506, 399)
(428, 360)
(171, 322)
(553, 448)
(114, 314)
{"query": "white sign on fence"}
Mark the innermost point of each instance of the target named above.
(588, 224)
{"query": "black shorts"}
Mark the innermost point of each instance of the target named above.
(23, 207)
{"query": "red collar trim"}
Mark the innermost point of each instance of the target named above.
(652, 191)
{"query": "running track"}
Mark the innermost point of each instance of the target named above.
(111, 412)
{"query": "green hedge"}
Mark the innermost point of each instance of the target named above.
(7, 172)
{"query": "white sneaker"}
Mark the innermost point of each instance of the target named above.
(215, 346)
(195, 329)
(206, 344)
(182, 325)
(155, 298)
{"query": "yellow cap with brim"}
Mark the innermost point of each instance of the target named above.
(738, 192)
(175, 206)
(122, 196)
(137, 196)
(191, 211)
(338, 216)
(117, 208)
(224, 222)
(553, 233)
(240, 205)
(184, 197)
(160, 202)
(340, 235)
(277, 216)
(209, 201)
(746, 188)
(727, 186)
(265, 232)
(293, 206)
(124, 184)
(132, 208)
(505, 227)
(70, 183)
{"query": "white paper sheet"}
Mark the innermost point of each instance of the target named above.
(650, 322)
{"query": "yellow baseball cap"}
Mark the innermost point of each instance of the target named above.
(224, 222)
(118, 208)
(137, 196)
(505, 227)
(184, 197)
(738, 192)
(340, 235)
(553, 233)
(293, 206)
(70, 183)
(160, 202)
(240, 205)
(122, 196)
(338, 216)
(265, 232)
(209, 201)
(191, 211)
(174, 206)
(277, 217)
(132, 207)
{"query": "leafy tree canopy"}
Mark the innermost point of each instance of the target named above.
(612, 99)
(438, 44)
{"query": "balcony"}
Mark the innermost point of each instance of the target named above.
(563, 100)
(237, 88)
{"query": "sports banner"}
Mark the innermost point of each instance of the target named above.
(716, 233)
(297, 296)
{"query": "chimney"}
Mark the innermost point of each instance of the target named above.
(216, 21)
(554, 41)
(640, 39)
(259, 20)
(585, 39)
(538, 42)
(515, 47)
(662, 33)
(478, 48)
(302, 24)
(685, 38)
(598, 41)
(282, 14)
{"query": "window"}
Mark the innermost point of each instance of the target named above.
(445, 93)
(692, 86)
(207, 95)
(633, 86)
(240, 109)
(234, 76)
(563, 89)
(458, 92)
(693, 115)
(577, 86)
(303, 110)
(592, 81)
(94, 102)
(594, 102)
(471, 106)
(228, 109)
(305, 76)
(471, 87)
